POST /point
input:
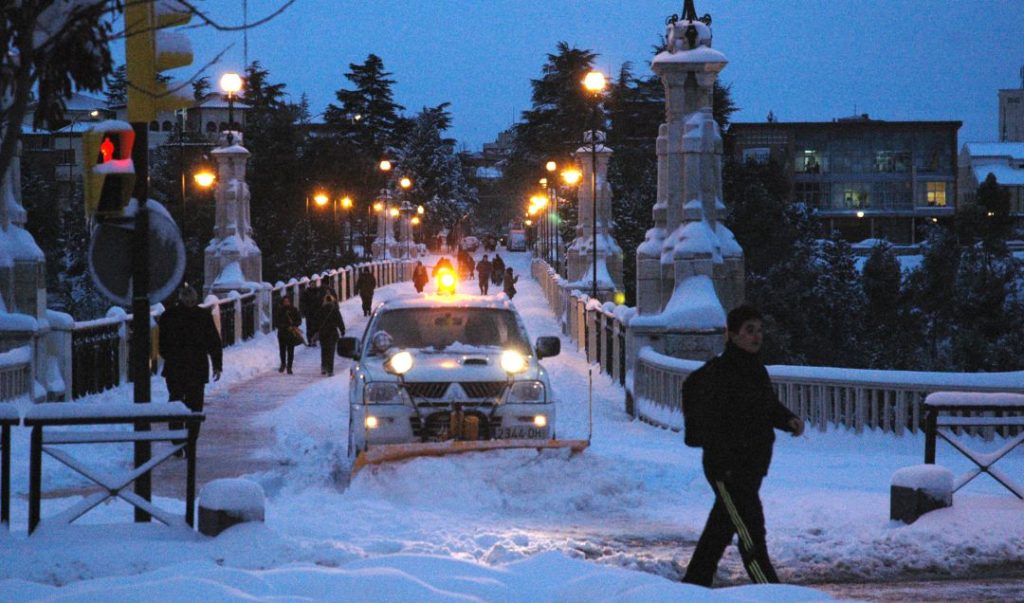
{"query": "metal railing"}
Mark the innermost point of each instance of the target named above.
(856, 399)
(96, 348)
(15, 373)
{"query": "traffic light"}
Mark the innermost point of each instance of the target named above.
(150, 51)
(109, 171)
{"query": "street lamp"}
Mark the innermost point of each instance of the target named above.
(204, 178)
(552, 218)
(595, 83)
(347, 204)
(231, 83)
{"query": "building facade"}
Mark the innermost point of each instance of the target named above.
(866, 178)
(1011, 115)
(1004, 160)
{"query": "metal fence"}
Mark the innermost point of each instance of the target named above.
(890, 401)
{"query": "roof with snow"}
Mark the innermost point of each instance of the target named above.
(1013, 150)
(1006, 175)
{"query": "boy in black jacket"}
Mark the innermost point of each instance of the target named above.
(738, 423)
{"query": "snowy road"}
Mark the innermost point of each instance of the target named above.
(635, 499)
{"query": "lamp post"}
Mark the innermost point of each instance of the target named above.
(231, 83)
(595, 83)
(346, 204)
(571, 177)
(551, 167)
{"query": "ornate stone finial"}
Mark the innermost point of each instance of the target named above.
(689, 13)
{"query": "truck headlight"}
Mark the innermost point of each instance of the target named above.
(383, 393)
(399, 363)
(513, 362)
(526, 392)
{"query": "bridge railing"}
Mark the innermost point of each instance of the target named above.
(15, 373)
(856, 399)
(100, 349)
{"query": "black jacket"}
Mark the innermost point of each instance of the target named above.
(287, 317)
(188, 342)
(365, 284)
(332, 325)
(741, 415)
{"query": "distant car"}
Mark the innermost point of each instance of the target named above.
(516, 240)
(470, 244)
(426, 364)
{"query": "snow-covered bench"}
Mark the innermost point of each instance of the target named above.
(948, 411)
(41, 416)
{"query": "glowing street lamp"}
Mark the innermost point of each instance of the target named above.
(321, 199)
(231, 84)
(204, 178)
(595, 83)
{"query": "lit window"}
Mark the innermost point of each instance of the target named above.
(936, 194)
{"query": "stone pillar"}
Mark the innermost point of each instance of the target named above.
(406, 243)
(595, 154)
(233, 260)
(689, 268)
(385, 246)
(24, 319)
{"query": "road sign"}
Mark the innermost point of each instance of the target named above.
(110, 256)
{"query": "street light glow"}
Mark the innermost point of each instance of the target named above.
(346, 202)
(405, 182)
(572, 176)
(321, 199)
(385, 165)
(551, 166)
(420, 210)
(231, 82)
(378, 207)
(204, 178)
(594, 81)
(394, 212)
(415, 221)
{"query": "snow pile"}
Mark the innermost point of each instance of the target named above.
(242, 497)
(930, 478)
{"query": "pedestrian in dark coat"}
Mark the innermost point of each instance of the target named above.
(365, 285)
(419, 277)
(311, 299)
(189, 343)
(483, 273)
(497, 269)
(738, 420)
(332, 326)
(509, 283)
(287, 317)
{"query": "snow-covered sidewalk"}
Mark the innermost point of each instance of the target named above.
(511, 525)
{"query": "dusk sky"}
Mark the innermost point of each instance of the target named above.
(805, 60)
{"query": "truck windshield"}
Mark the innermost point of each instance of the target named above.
(447, 328)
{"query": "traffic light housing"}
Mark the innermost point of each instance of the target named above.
(150, 51)
(109, 171)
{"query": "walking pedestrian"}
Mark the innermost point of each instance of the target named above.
(189, 342)
(309, 304)
(738, 411)
(332, 326)
(288, 334)
(497, 269)
(442, 264)
(419, 277)
(365, 285)
(483, 272)
(509, 283)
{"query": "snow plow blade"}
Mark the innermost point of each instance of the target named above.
(399, 452)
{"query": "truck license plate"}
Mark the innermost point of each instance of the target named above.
(518, 432)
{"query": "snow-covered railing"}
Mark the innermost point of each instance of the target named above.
(858, 399)
(100, 349)
(599, 330)
(15, 373)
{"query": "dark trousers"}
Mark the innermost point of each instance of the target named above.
(287, 353)
(367, 303)
(737, 510)
(327, 349)
(191, 393)
(485, 284)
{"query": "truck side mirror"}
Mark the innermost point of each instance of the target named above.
(548, 347)
(348, 348)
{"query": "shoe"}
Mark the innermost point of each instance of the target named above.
(330, 373)
(289, 371)
(281, 370)
(323, 371)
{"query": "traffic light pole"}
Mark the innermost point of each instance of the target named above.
(140, 341)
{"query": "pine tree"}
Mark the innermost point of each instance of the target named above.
(368, 114)
(201, 88)
(117, 86)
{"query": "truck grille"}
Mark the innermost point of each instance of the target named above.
(436, 428)
(426, 390)
(483, 389)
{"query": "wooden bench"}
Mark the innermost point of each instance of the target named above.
(8, 417)
(142, 416)
(948, 412)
